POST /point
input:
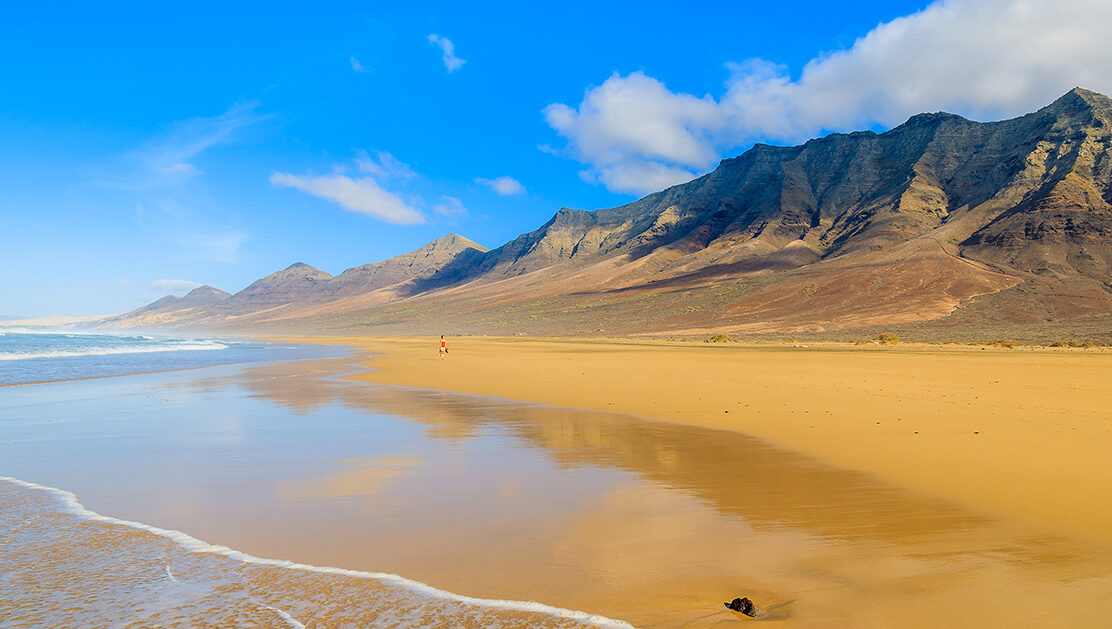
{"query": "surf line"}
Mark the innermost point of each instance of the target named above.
(116, 351)
(192, 544)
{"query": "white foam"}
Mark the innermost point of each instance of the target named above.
(290, 620)
(50, 331)
(122, 349)
(192, 544)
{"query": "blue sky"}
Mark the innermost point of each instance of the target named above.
(144, 150)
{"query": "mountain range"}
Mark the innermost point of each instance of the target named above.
(941, 219)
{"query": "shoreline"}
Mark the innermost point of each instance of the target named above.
(119, 375)
(71, 505)
(1017, 435)
(354, 352)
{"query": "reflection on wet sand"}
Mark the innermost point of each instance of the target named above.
(709, 515)
(361, 477)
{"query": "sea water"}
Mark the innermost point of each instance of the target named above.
(43, 355)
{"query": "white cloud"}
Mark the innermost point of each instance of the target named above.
(174, 286)
(502, 185)
(384, 166)
(363, 195)
(170, 157)
(356, 66)
(632, 126)
(449, 207)
(985, 59)
(451, 61)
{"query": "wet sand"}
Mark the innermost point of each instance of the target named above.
(650, 522)
(1021, 435)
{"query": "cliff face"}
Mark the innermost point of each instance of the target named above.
(1031, 192)
(1062, 224)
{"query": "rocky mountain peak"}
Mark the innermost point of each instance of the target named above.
(206, 290)
(203, 296)
(1093, 99)
(298, 270)
(1080, 105)
(933, 118)
(437, 257)
(452, 243)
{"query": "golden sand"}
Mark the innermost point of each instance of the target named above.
(1023, 435)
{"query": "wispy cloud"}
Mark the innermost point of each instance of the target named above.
(984, 59)
(448, 49)
(504, 186)
(363, 195)
(449, 207)
(174, 286)
(384, 166)
(355, 65)
(170, 158)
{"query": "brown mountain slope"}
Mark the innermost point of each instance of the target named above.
(197, 298)
(171, 308)
(845, 193)
(291, 285)
(1063, 226)
(301, 288)
(422, 263)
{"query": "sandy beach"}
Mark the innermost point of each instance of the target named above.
(1022, 435)
(577, 496)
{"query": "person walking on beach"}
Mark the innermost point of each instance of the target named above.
(443, 347)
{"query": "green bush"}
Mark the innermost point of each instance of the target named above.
(888, 339)
(720, 338)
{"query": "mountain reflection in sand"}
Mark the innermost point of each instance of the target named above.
(710, 506)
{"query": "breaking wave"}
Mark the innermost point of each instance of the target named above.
(148, 346)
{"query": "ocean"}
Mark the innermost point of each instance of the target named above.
(30, 355)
